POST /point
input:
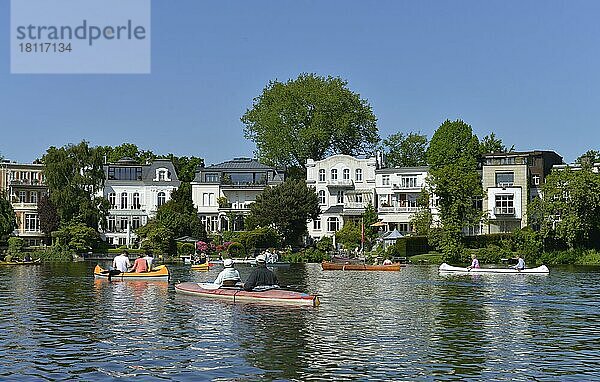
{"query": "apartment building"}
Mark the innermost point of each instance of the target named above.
(24, 184)
(398, 190)
(222, 193)
(510, 181)
(134, 192)
(345, 186)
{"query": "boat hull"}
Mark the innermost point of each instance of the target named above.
(445, 268)
(160, 272)
(201, 267)
(20, 262)
(329, 266)
(273, 296)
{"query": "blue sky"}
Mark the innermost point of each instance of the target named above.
(528, 71)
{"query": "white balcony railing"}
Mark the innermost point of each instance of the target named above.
(340, 183)
(507, 211)
(397, 209)
(401, 186)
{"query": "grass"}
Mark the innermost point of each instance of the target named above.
(427, 258)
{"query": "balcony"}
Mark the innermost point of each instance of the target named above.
(505, 184)
(504, 211)
(418, 186)
(24, 206)
(342, 183)
(25, 182)
(397, 209)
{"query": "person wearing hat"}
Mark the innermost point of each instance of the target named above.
(228, 276)
(261, 276)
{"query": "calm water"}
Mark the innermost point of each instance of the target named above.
(58, 323)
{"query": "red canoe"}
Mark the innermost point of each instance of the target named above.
(329, 266)
(273, 296)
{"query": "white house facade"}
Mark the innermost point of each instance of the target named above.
(222, 193)
(345, 186)
(134, 192)
(398, 190)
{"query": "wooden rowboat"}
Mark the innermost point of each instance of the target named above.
(448, 269)
(271, 296)
(34, 262)
(329, 266)
(159, 272)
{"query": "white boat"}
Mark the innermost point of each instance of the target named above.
(447, 269)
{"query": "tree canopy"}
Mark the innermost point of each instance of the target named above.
(285, 207)
(452, 157)
(405, 150)
(8, 220)
(74, 175)
(309, 117)
(491, 144)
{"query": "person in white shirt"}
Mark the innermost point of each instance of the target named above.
(149, 259)
(121, 262)
(228, 276)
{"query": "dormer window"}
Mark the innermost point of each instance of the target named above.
(162, 175)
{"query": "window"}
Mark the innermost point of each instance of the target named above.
(135, 222)
(505, 179)
(403, 227)
(33, 197)
(409, 182)
(504, 205)
(211, 178)
(214, 223)
(161, 199)
(322, 197)
(359, 198)
(32, 223)
(123, 223)
(358, 174)
(535, 180)
(385, 180)
(205, 199)
(22, 197)
(123, 200)
(317, 224)
(111, 224)
(346, 174)
(136, 201)
(333, 224)
(125, 173)
(112, 199)
(162, 175)
(340, 197)
(321, 175)
(333, 174)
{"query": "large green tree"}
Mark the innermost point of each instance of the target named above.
(452, 157)
(589, 157)
(8, 220)
(405, 150)
(492, 144)
(570, 208)
(128, 150)
(285, 207)
(48, 215)
(74, 175)
(309, 117)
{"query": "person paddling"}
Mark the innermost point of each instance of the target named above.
(474, 262)
(139, 265)
(520, 264)
(261, 276)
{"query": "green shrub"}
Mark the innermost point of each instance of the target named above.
(325, 244)
(54, 253)
(307, 255)
(236, 249)
(483, 241)
(15, 245)
(185, 249)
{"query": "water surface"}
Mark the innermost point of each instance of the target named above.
(58, 323)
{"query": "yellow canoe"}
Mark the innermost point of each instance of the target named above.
(200, 267)
(160, 272)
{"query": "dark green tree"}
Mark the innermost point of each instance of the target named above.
(370, 217)
(452, 157)
(349, 236)
(128, 150)
(405, 150)
(285, 207)
(48, 215)
(8, 219)
(589, 158)
(309, 117)
(74, 175)
(422, 220)
(491, 144)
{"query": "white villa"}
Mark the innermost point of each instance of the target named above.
(135, 191)
(397, 192)
(222, 193)
(345, 186)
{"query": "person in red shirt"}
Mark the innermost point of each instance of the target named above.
(140, 265)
